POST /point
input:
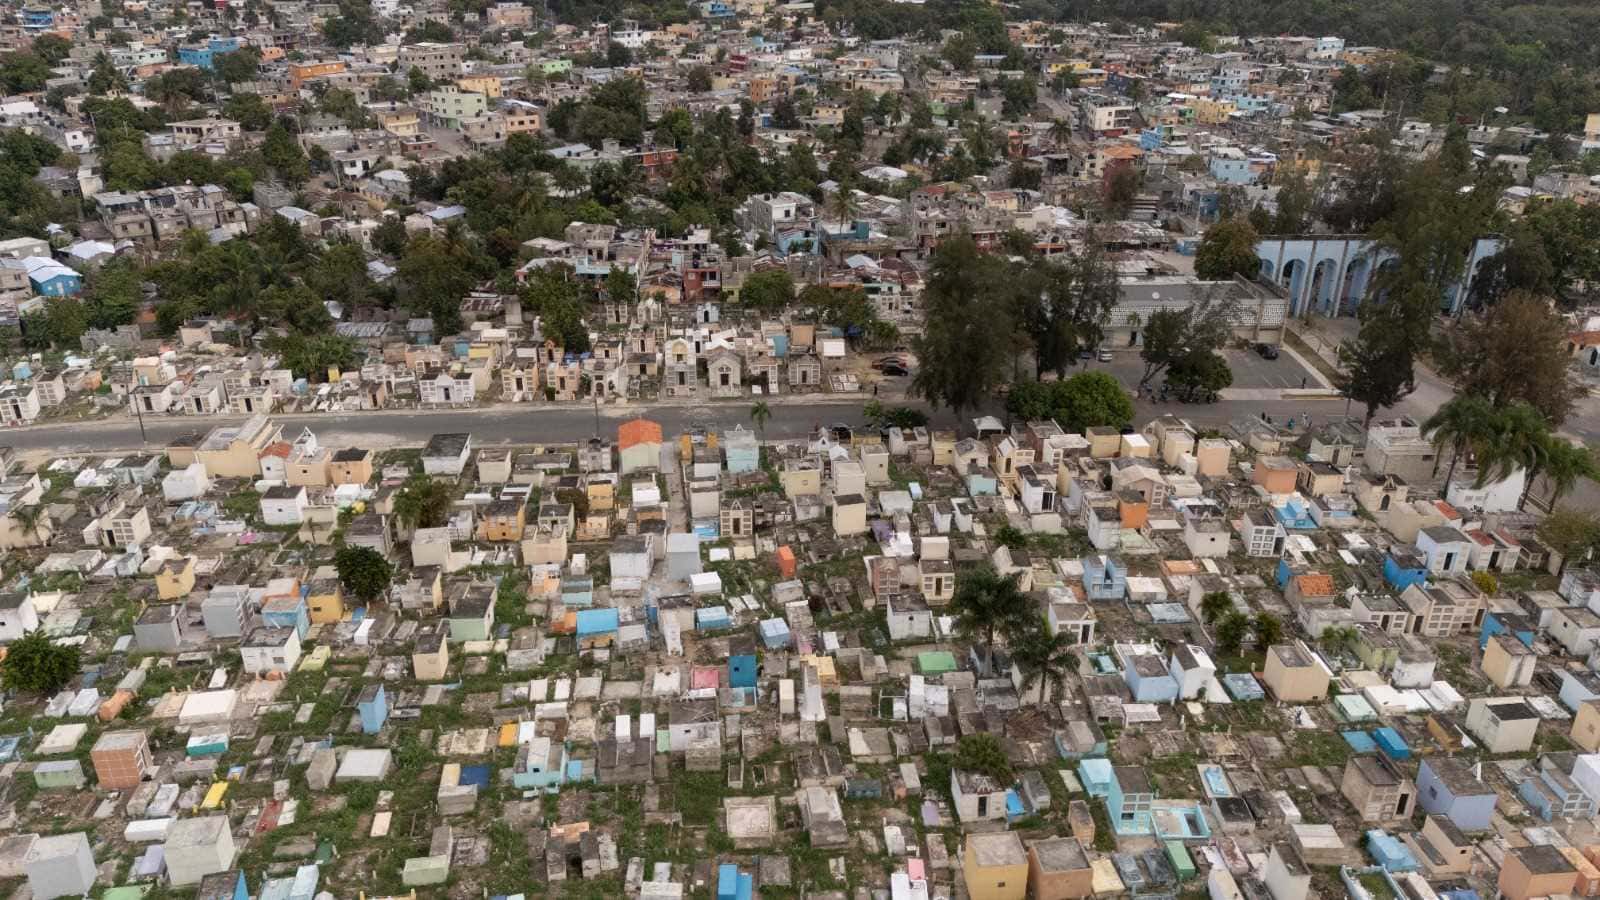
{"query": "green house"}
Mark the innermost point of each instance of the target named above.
(936, 662)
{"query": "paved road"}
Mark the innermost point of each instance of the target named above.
(566, 424)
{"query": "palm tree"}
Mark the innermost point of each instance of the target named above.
(1337, 640)
(1044, 658)
(422, 502)
(1518, 439)
(1215, 605)
(1462, 424)
(29, 518)
(986, 603)
(1564, 465)
(843, 206)
(1060, 132)
(760, 414)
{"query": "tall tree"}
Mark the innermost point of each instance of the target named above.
(282, 152)
(1171, 335)
(1228, 248)
(1572, 533)
(1377, 366)
(363, 571)
(965, 348)
(1513, 352)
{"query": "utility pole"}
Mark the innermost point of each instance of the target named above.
(138, 412)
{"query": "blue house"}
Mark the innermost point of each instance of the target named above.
(373, 707)
(1295, 516)
(52, 279)
(1104, 578)
(1146, 674)
(775, 634)
(742, 670)
(1231, 169)
(742, 452)
(711, 618)
(205, 55)
(981, 482)
(577, 591)
(287, 612)
(37, 19)
(596, 627)
(1518, 625)
(1404, 567)
(1446, 786)
(1552, 794)
(541, 764)
(1389, 853)
(1127, 791)
(733, 884)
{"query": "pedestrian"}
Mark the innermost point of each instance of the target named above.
(1264, 416)
(874, 390)
(1291, 423)
(1302, 383)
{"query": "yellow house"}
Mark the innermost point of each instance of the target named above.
(488, 85)
(504, 520)
(1508, 662)
(325, 601)
(995, 866)
(1293, 675)
(234, 451)
(1586, 726)
(1212, 112)
(431, 660)
(602, 495)
(352, 465)
(801, 477)
(544, 545)
(849, 515)
(175, 578)
(308, 469)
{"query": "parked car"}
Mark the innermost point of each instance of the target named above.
(893, 368)
(1267, 351)
(1105, 354)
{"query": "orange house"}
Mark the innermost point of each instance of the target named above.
(1275, 474)
(1536, 871)
(299, 73)
(1134, 509)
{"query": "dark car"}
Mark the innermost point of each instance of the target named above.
(893, 368)
(1266, 351)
